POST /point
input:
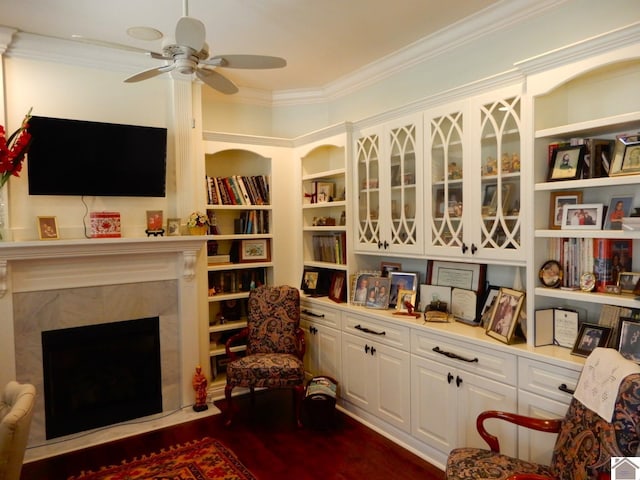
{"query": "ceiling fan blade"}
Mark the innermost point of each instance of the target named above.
(146, 74)
(190, 32)
(246, 61)
(216, 81)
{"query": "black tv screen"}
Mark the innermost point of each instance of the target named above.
(77, 157)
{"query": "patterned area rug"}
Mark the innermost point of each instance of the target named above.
(205, 459)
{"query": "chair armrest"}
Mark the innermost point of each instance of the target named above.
(551, 426)
(232, 340)
(302, 344)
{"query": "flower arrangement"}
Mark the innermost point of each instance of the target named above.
(197, 219)
(13, 150)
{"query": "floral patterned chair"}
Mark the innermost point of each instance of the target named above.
(585, 443)
(275, 346)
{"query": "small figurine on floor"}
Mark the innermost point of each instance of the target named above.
(200, 387)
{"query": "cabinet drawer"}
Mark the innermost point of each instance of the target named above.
(546, 379)
(320, 314)
(497, 365)
(383, 332)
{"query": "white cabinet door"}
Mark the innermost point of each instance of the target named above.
(358, 373)
(433, 398)
(323, 350)
(537, 446)
(477, 394)
(393, 401)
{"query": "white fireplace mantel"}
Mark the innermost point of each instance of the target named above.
(59, 264)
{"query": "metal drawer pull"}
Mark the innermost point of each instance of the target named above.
(366, 330)
(453, 355)
(310, 313)
(564, 388)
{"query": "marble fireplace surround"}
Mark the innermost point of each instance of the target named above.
(66, 283)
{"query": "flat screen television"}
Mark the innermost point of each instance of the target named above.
(77, 157)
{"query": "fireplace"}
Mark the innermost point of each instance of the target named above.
(99, 375)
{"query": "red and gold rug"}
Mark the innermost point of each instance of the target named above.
(205, 459)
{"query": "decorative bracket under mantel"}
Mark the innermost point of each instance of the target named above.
(189, 268)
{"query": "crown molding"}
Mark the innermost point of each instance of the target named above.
(244, 139)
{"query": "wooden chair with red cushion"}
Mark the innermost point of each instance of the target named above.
(275, 346)
(586, 441)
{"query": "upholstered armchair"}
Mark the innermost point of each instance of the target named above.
(275, 346)
(586, 441)
(16, 410)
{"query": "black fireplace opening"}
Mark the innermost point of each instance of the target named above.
(100, 375)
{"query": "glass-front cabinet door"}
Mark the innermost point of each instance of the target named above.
(474, 166)
(389, 185)
(367, 157)
(500, 128)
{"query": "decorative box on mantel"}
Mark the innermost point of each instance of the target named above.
(105, 224)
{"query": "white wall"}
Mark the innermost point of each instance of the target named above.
(65, 91)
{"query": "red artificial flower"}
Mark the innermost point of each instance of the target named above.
(13, 150)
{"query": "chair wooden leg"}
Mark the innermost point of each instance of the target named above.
(227, 396)
(298, 397)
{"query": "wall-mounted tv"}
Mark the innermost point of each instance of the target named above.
(77, 157)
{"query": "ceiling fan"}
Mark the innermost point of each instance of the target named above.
(190, 54)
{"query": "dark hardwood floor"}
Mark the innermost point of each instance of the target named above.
(266, 440)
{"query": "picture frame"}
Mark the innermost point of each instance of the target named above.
(48, 228)
(173, 227)
(469, 276)
(155, 220)
(360, 287)
(452, 206)
(582, 216)
(488, 304)
(619, 207)
(551, 274)
(338, 287)
(325, 192)
(505, 314)
(378, 293)
(310, 281)
(589, 338)
(387, 267)
(567, 163)
(255, 250)
(627, 281)
(626, 156)
(396, 181)
(402, 281)
(405, 296)
(490, 198)
(556, 201)
(434, 297)
(629, 339)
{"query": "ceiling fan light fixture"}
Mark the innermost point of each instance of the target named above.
(144, 33)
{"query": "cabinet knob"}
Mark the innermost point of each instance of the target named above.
(449, 378)
(458, 381)
(474, 249)
(366, 349)
(464, 248)
(373, 351)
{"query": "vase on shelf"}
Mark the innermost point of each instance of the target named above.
(198, 230)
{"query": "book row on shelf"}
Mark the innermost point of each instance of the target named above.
(238, 190)
(330, 247)
(235, 281)
(606, 258)
(252, 222)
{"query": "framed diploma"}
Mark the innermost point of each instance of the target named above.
(464, 304)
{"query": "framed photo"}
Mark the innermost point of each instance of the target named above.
(589, 337)
(48, 228)
(435, 297)
(558, 200)
(505, 314)
(378, 293)
(395, 175)
(567, 163)
(325, 192)
(255, 250)
(173, 226)
(550, 274)
(155, 220)
(386, 267)
(488, 304)
(582, 216)
(490, 198)
(629, 343)
(626, 156)
(402, 281)
(619, 207)
(627, 281)
(310, 281)
(361, 287)
(338, 287)
(469, 276)
(405, 296)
